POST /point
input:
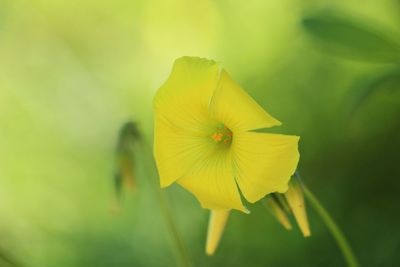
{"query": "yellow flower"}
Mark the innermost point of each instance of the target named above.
(204, 139)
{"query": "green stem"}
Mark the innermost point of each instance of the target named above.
(181, 251)
(179, 244)
(333, 228)
(7, 259)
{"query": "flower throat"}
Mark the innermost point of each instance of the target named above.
(222, 135)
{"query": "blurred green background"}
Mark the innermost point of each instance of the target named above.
(73, 72)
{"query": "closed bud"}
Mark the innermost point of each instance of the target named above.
(272, 203)
(216, 226)
(295, 199)
(124, 176)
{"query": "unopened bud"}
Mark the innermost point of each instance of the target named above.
(216, 226)
(277, 210)
(295, 199)
(124, 176)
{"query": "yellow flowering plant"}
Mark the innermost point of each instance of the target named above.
(205, 141)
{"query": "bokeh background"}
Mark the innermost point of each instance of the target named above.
(73, 72)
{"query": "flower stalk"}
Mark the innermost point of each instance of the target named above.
(333, 228)
(179, 247)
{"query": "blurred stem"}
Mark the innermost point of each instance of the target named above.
(169, 220)
(7, 259)
(333, 228)
(181, 251)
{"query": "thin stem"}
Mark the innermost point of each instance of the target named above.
(180, 246)
(333, 228)
(9, 260)
(181, 251)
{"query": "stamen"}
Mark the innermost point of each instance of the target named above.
(222, 134)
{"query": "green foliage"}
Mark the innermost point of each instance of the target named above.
(72, 73)
(368, 86)
(352, 38)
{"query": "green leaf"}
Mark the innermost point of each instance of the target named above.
(351, 39)
(367, 87)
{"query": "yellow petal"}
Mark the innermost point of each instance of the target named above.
(182, 118)
(216, 226)
(295, 198)
(212, 182)
(184, 98)
(278, 212)
(263, 163)
(176, 150)
(232, 106)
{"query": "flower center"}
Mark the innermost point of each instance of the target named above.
(222, 135)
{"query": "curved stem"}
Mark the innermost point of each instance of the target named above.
(8, 260)
(180, 247)
(181, 251)
(333, 228)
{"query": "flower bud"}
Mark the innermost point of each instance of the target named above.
(272, 203)
(295, 199)
(124, 176)
(216, 226)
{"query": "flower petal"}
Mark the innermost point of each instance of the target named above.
(184, 98)
(176, 150)
(232, 106)
(264, 163)
(213, 184)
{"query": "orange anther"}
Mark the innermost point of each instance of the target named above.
(217, 137)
